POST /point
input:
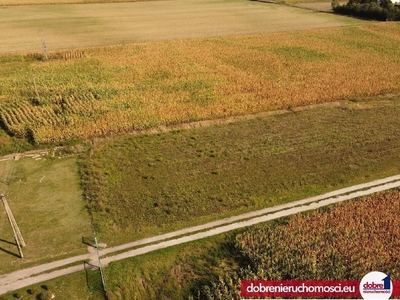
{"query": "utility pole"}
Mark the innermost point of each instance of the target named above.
(44, 44)
(101, 267)
(16, 232)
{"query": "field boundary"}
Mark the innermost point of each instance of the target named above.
(37, 274)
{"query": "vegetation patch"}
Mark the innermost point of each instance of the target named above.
(334, 243)
(129, 88)
(144, 185)
(383, 10)
(300, 53)
(45, 198)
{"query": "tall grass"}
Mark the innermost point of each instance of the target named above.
(145, 185)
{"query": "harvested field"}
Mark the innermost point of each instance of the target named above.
(80, 26)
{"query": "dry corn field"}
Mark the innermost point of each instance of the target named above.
(344, 242)
(100, 91)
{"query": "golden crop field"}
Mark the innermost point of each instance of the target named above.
(100, 91)
(41, 2)
(341, 242)
(344, 242)
(7, 3)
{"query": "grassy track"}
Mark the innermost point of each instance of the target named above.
(46, 200)
(144, 185)
(176, 272)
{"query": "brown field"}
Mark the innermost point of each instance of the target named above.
(7, 3)
(79, 26)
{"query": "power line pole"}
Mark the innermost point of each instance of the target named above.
(16, 232)
(101, 267)
(44, 44)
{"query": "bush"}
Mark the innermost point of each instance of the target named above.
(45, 296)
(370, 10)
(31, 291)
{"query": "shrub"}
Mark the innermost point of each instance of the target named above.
(370, 10)
(45, 296)
(31, 291)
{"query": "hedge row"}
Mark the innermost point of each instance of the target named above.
(370, 11)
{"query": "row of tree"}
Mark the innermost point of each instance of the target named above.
(381, 10)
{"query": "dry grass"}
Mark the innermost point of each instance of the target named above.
(124, 88)
(7, 3)
(80, 26)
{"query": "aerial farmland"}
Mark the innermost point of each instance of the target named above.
(152, 149)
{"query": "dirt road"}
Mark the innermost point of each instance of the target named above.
(26, 277)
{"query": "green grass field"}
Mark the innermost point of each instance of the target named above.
(144, 185)
(46, 200)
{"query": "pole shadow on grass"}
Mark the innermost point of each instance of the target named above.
(89, 241)
(8, 242)
(8, 251)
(93, 277)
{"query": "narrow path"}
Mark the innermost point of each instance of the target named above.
(26, 277)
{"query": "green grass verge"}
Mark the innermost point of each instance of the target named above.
(171, 273)
(144, 185)
(70, 287)
(46, 200)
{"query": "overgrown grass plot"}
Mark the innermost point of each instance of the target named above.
(139, 186)
(46, 200)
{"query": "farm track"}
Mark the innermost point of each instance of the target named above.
(26, 277)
